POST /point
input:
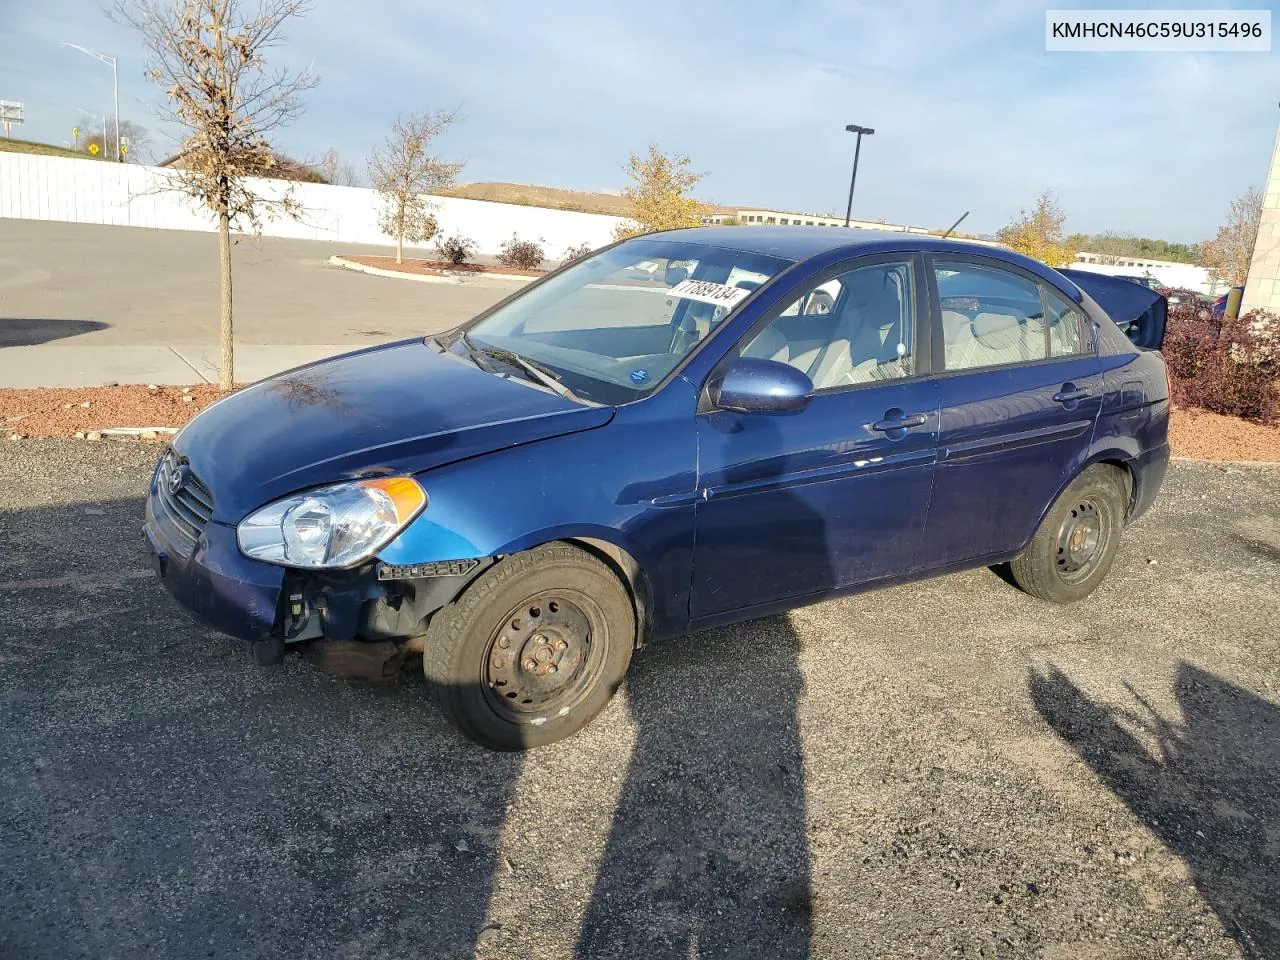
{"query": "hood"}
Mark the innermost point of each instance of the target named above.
(402, 407)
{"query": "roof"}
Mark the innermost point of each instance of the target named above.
(803, 243)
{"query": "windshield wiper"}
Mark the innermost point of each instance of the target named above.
(475, 353)
(532, 368)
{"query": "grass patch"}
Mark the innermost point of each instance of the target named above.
(44, 149)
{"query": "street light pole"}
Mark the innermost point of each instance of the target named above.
(115, 88)
(857, 149)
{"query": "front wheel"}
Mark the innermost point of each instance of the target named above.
(1074, 545)
(532, 650)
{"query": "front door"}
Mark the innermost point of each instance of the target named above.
(1021, 388)
(795, 505)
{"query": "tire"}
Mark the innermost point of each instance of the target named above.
(1072, 550)
(533, 649)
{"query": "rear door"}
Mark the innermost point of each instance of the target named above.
(1020, 390)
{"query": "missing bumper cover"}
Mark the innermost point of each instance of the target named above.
(417, 571)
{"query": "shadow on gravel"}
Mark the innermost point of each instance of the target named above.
(15, 332)
(1209, 792)
(708, 853)
(164, 795)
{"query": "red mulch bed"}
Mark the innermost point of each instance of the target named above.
(1212, 436)
(62, 412)
(439, 267)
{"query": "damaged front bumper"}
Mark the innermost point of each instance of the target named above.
(351, 622)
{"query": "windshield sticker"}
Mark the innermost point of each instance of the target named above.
(639, 376)
(704, 291)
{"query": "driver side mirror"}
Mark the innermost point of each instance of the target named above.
(752, 385)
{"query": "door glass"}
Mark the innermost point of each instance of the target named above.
(990, 316)
(855, 328)
(1069, 332)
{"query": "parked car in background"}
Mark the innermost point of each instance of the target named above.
(1149, 281)
(755, 419)
(1190, 299)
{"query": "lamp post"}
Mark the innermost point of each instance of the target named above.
(857, 148)
(115, 88)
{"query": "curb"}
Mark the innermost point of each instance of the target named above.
(346, 264)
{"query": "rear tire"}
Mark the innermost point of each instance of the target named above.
(533, 649)
(1072, 550)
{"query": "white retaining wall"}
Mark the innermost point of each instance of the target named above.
(94, 191)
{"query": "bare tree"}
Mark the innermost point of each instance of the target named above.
(134, 140)
(1228, 254)
(209, 56)
(336, 170)
(404, 170)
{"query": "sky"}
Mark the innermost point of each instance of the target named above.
(970, 111)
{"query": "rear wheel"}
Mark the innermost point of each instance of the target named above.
(533, 650)
(1074, 546)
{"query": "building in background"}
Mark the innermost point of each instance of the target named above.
(1262, 288)
(1169, 273)
(788, 218)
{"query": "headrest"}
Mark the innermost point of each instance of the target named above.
(993, 324)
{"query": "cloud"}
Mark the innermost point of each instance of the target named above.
(970, 111)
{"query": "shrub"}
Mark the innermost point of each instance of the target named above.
(579, 252)
(456, 249)
(522, 254)
(1231, 367)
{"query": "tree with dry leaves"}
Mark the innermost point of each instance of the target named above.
(1038, 233)
(660, 194)
(209, 56)
(336, 170)
(404, 170)
(1228, 254)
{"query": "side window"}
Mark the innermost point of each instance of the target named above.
(990, 316)
(1070, 332)
(855, 328)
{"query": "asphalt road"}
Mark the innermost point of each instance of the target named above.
(946, 769)
(85, 284)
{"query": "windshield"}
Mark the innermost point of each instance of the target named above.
(611, 327)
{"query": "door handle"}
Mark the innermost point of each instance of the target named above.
(1070, 394)
(900, 423)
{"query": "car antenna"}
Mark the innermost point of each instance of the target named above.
(954, 225)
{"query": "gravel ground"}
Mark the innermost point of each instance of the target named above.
(950, 769)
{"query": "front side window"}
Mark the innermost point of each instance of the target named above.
(855, 328)
(612, 326)
(990, 316)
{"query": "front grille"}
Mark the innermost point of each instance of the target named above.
(190, 507)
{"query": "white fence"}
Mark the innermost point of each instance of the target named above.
(93, 191)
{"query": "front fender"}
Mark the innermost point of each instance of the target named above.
(629, 484)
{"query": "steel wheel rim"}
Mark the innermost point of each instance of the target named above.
(544, 656)
(1082, 540)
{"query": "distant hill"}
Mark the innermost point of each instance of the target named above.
(46, 149)
(556, 198)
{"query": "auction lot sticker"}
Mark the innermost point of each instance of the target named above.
(704, 291)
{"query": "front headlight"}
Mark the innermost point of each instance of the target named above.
(337, 526)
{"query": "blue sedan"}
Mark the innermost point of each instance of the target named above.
(681, 430)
